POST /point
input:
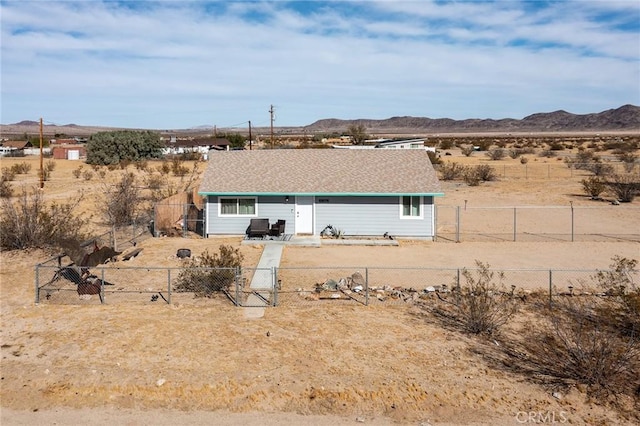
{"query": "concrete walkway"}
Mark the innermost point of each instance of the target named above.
(262, 280)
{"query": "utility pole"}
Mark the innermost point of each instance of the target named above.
(41, 165)
(271, 111)
(249, 135)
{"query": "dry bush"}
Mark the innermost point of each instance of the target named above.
(50, 166)
(524, 160)
(485, 172)
(515, 153)
(21, 168)
(496, 154)
(87, 175)
(6, 190)
(164, 168)
(451, 171)
(547, 153)
(593, 186)
(178, 168)
(121, 203)
(30, 222)
(77, 172)
(154, 181)
(599, 169)
(574, 346)
(481, 306)
(467, 150)
(591, 339)
(8, 174)
(210, 273)
(624, 186)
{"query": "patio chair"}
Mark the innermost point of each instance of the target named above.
(258, 228)
(277, 228)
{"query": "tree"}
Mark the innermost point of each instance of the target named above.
(358, 133)
(115, 146)
(236, 140)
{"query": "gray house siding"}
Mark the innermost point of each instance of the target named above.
(270, 207)
(371, 216)
(354, 215)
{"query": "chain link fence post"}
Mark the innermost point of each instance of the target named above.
(102, 287)
(366, 286)
(37, 281)
(238, 278)
(168, 286)
(550, 288)
(274, 284)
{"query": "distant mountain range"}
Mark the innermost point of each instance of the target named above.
(626, 118)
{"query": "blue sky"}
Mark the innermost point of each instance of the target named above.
(171, 65)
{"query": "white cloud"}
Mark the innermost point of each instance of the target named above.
(180, 64)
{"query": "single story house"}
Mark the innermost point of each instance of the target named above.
(202, 146)
(390, 144)
(14, 148)
(359, 192)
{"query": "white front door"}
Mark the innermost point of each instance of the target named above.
(304, 215)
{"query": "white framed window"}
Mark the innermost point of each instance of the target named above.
(411, 207)
(237, 206)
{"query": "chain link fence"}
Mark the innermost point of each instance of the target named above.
(535, 223)
(303, 286)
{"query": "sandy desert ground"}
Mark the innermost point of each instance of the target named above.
(320, 364)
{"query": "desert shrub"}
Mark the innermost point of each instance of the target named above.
(178, 168)
(21, 168)
(120, 203)
(77, 172)
(628, 160)
(451, 171)
(593, 186)
(142, 165)
(87, 175)
(154, 181)
(471, 177)
(50, 165)
(124, 164)
(524, 160)
(6, 191)
(446, 144)
(210, 273)
(485, 172)
(467, 150)
(102, 173)
(481, 305)
(495, 153)
(589, 339)
(30, 222)
(515, 153)
(8, 174)
(547, 153)
(572, 346)
(600, 169)
(483, 144)
(624, 186)
(164, 168)
(556, 146)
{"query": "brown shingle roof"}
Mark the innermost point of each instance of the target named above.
(17, 144)
(320, 171)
